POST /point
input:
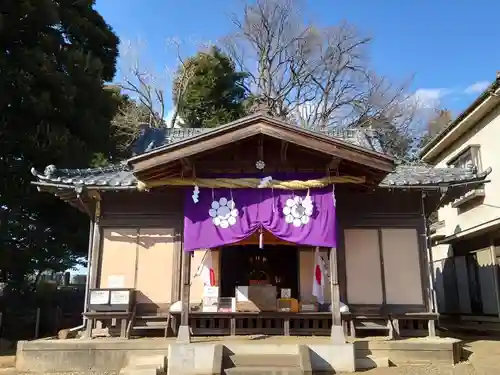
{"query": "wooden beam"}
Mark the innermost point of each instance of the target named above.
(261, 148)
(330, 148)
(186, 165)
(170, 170)
(334, 164)
(284, 148)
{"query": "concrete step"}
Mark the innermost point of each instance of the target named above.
(370, 362)
(144, 365)
(141, 370)
(263, 360)
(141, 360)
(264, 370)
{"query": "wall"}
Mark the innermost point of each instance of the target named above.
(141, 241)
(383, 255)
(141, 259)
(397, 213)
(467, 284)
(486, 134)
(382, 266)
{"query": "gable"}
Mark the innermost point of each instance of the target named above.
(251, 126)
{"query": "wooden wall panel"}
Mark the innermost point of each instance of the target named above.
(118, 256)
(363, 273)
(403, 283)
(155, 266)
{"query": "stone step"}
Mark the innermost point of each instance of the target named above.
(140, 360)
(141, 370)
(264, 370)
(263, 360)
(370, 362)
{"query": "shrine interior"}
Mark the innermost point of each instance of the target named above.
(276, 265)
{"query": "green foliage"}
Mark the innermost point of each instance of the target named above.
(54, 59)
(209, 91)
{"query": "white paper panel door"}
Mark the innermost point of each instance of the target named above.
(119, 248)
(155, 265)
(403, 283)
(364, 282)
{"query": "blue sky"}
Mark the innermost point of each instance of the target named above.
(450, 46)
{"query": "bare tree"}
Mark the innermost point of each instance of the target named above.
(146, 89)
(270, 44)
(318, 76)
(142, 84)
(182, 77)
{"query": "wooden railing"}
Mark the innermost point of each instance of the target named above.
(306, 324)
(269, 323)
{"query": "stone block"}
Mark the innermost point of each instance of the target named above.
(333, 357)
(199, 359)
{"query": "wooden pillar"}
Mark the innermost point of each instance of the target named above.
(337, 332)
(427, 269)
(89, 263)
(184, 333)
(93, 265)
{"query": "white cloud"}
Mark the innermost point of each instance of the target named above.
(430, 98)
(477, 87)
(168, 119)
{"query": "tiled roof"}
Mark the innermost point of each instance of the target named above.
(425, 175)
(154, 138)
(120, 176)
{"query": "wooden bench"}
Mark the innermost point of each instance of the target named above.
(394, 325)
(411, 322)
(152, 322)
(354, 322)
(125, 318)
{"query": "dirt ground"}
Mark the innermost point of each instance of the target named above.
(481, 357)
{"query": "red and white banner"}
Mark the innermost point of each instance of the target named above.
(207, 271)
(319, 275)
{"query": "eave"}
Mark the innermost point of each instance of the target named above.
(450, 183)
(477, 230)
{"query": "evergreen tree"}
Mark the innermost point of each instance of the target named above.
(55, 56)
(214, 91)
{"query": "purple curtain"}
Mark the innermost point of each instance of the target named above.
(226, 216)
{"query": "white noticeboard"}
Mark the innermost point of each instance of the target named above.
(116, 281)
(99, 297)
(242, 293)
(120, 297)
